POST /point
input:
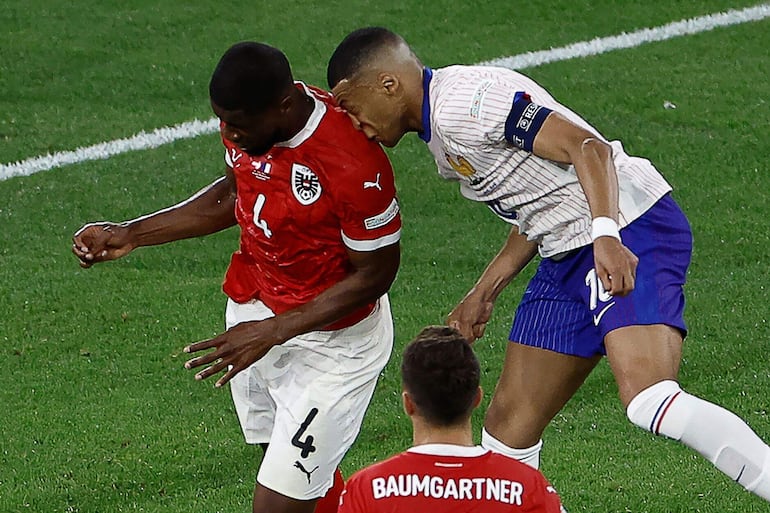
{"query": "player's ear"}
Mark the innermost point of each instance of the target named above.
(389, 83)
(406, 399)
(477, 399)
(285, 104)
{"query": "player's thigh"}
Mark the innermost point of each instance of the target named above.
(250, 388)
(641, 356)
(267, 500)
(313, 430)
(534, 385)
(320, 401)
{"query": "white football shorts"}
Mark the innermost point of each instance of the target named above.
(307, 397)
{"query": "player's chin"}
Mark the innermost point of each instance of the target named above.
(389, 142)
(256, 150)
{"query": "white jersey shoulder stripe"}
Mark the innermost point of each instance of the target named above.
(372, 245)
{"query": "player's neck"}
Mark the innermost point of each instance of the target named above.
(412, 84)
(303, 108)
(425, 433)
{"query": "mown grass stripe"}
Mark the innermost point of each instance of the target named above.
(192, 129)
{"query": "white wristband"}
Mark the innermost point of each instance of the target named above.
(604, 227)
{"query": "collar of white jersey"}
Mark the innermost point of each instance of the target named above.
(425, 133)
(313, 121)
(462, 451)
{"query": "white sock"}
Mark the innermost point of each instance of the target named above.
(530, 455)
(716, 433)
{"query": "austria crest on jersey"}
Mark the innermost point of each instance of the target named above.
(304, 184)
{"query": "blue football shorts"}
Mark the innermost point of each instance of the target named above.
(566, 309)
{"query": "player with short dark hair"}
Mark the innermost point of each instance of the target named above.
(250, 77)
(444, 472)
(308, 320)
(441, 374)
(615, 247)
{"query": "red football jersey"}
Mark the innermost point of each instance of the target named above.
(438, 478)
(303, 204)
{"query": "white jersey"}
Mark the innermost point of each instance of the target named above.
(465, 126)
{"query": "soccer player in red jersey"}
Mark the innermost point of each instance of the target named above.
(308, 321)
(444, 472)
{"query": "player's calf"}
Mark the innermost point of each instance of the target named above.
(716, 433)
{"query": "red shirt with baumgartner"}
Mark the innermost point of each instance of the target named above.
(302, 205)
(440, 478)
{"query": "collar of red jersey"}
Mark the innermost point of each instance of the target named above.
(448, 450)
(312, 123)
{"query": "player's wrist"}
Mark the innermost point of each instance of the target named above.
(604, 227)
(128, 234)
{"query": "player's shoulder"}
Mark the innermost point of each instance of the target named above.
(336, 124)
(340, 143)
(460, 81)
(470, 102)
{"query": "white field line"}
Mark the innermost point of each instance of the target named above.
(191, 129)
(633, 39)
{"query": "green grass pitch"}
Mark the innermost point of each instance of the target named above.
(98, 414)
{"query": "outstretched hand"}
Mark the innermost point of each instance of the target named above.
(615, 266)
(470, 317)
(99, 242)
(235, 350)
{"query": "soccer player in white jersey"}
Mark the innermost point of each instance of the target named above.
(615, 247)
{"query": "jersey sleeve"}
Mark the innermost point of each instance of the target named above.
(524, 121)
(493, 112)
(368, 206)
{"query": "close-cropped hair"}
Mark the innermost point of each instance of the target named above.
(354, 51)
(250, 77)
(441, 373)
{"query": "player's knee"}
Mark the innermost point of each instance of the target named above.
(496, 412)
(647, 408)
(515, 423)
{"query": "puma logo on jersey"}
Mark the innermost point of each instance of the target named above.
(375, 183)
(302, 469)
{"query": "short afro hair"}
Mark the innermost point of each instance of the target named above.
(250, 77)
(441, 373)
(354, 51)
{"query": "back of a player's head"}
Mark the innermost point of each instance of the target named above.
(356, 50)
(441, 374)
(250, 77)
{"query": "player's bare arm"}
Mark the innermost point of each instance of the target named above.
(373, 273)
(470, 317)
(561, 140)
(208, 211)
